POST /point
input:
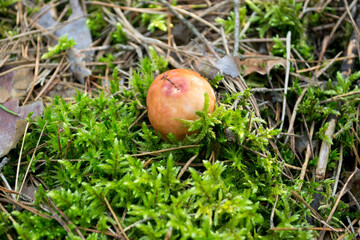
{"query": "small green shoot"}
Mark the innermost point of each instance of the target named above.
(63, 44)
(8, 110)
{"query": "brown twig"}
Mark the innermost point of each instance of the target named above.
(307, 155)
(19, 161)
(293, 115)
(36, 70)
(32, 158)
(164, 150)
(322, 234)
(185, 167)
(116, 219)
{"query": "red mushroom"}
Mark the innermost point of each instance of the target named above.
(177, 94)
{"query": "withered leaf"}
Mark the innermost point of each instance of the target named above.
(11, 126)
(259, 63)
(231, 65)
(228, 65)
(6, 82)
(22, 81)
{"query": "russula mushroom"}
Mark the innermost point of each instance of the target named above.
(177, 94)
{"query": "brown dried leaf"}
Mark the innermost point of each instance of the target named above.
(22, 81)
(11, 126)
(29, 189)
(260, 64)
(61, 90)
(6, 82)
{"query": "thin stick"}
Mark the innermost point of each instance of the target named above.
(351, 18)
(9, 200)
(288, 45)
(51, 79)
(237, 26)
(182, 19)
(164, 150)
(7, 184)
(98, 231)
(32, 158)
(36, 70)
(340, 96)
(7, 213)
(44, 31)
(59, 142)
(319, 73)
(136, 223)
(307, 155)
(196, 17)
(137, 120)
(225, 43)
(337, 201)
(309, 228)
(186, 166)
(314, 212)
(246, 27)
(273, 212)
(116, 219)
(293, 115)
(19, 161)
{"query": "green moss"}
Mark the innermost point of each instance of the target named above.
(93, 142)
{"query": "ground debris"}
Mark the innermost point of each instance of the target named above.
(12, 126)
(75, 28)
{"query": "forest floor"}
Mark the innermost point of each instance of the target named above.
(277, 159)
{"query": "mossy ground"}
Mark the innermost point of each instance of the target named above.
(100, 171)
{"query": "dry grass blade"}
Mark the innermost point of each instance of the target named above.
(116, 219)
(36, 70)
(307, 155)
(32, 158)
(237, 26)
(322, 234)
(352, 4)
(335, 98)
(43, 90)
(19, 161)
(196, 17)
(293, 115)
(23, 206)
(351, 18)
(288, 52)
(164, 150)
(182, 19)
(313, 211)
(186, 166)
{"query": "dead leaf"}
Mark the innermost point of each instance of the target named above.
(228, 65)
(261, 64)
(6, 82)
(11, 126)
(29, 189)
(22, 81)
(77, 29)
(61, 90)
